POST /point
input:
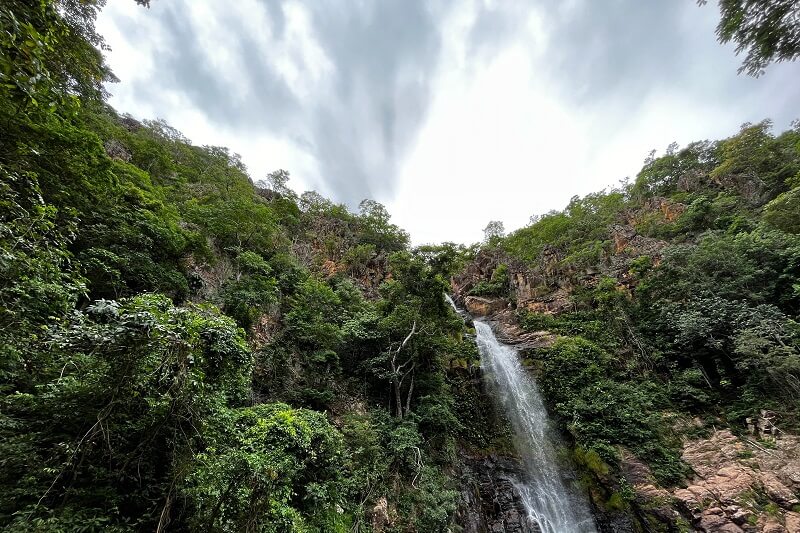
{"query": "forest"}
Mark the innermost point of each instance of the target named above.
(186, 347)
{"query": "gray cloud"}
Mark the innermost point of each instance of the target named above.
(384, 56)
(614, 54)
(603, 58)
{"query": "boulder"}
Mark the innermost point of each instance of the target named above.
(479, 306)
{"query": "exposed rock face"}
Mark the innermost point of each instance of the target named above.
(490, 503)
(668, 209)
(380, 515)
(628, 242)
(368, 276)
(130, 123)
(653, 501)
(738, 486)
(479, 306)
(629, 245)
(508, 331)
(479, 270)
(117, 150)
(749, 186)
(545, 288)
(206, 278)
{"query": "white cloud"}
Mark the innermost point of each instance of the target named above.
(513, 121)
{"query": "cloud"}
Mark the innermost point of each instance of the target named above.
(567, 98)
(349, 85)
(451, 113)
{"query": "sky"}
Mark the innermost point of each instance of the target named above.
(451, 114)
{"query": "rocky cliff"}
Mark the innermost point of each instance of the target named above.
(490, 503)
(739, 484)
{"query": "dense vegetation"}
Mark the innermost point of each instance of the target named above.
(183, 348)
(682, 297)
(768, 30)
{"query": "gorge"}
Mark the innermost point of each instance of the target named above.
(551, 505)
(188, 347)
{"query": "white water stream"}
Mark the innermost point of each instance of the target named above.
(550, 503)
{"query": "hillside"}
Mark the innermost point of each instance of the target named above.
(187, 347)
(661, 312)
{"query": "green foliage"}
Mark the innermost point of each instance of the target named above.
(579, 234)
(125, 407)
(660, 176)
(310, 312)
(757, 154)
(782, 211)
(767, 31)
(121, 397)
(722, 311)
(498, 284)
(755, 266)
(358, 257)
(251, 292)
(49, 52)
(602, 408)
(375, 228)
(267, 468)
(447, 258)
(40, 283)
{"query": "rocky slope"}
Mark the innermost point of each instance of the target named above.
(738, 483)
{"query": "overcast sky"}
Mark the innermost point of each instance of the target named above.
(450, 113)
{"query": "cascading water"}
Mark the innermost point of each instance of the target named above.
(547, 499)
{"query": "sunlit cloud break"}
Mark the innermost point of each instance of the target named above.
(451, 114)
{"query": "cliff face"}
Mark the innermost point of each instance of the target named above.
(737, 484)
(490, 503)
(487, 467)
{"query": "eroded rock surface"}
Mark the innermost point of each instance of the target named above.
(507, 329)
(490, 502)
(479, 306)
(738, 485)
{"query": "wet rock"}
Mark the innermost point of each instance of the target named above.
(490, 502)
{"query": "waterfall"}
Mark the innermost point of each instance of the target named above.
(549, 501)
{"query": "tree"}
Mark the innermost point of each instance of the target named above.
(376, 229)
(124, 392)
(50, 52)
(259, 480)
(767, 30)
(494, 230)
(276, 181)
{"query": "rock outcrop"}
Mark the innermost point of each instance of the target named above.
(507, 329)
(739, 486)
(478, 306)
(490, 500)
(379, 515)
